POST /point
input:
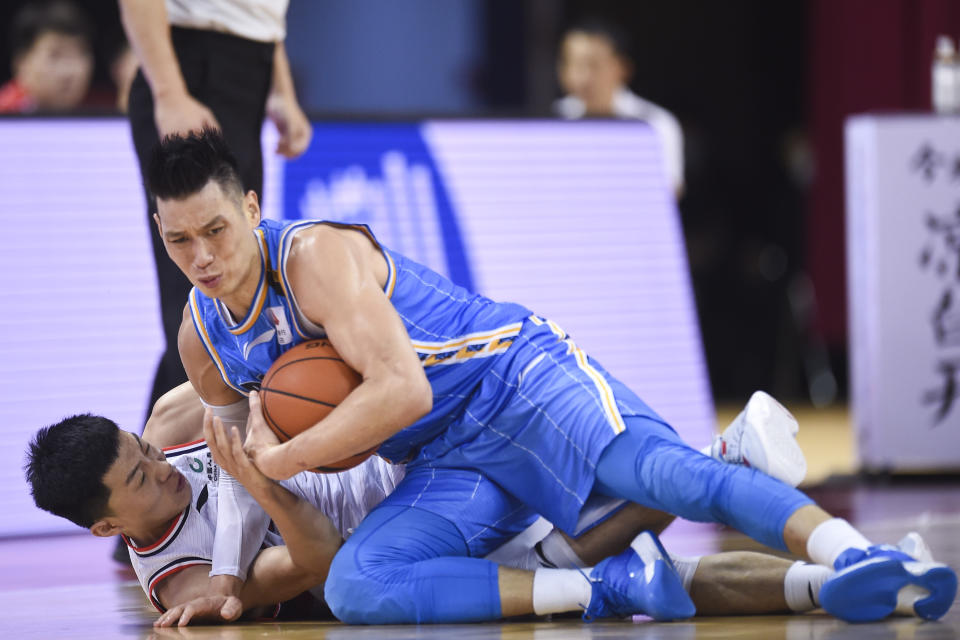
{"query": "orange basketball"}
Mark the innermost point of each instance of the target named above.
(301, 387)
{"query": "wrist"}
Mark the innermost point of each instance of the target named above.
(170, 91)
(226, 585)
(262, 488)
(275, 462)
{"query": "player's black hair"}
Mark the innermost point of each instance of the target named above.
(182, 165)
(38, 18)
(601, 28)
(66, 463)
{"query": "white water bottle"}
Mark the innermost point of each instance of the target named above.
(945, 85)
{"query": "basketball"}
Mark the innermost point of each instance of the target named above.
(304, 385)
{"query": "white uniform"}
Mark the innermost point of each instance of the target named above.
(344, 497)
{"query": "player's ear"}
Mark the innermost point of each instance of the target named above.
(156, 218)
(105, 528)
(251, 208)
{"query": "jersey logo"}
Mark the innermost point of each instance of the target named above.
(279, 320)
(266, 336)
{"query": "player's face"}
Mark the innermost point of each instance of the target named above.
(146, 492)
(208, 236)
(590, 69)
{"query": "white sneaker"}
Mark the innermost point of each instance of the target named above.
(763, 436)
(913, 545)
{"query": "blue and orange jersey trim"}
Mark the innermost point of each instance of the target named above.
(481, 344)
(259, 297)
(208, 343)
(607, 400)
(286, 238)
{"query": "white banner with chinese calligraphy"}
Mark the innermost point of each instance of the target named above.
(903, 267)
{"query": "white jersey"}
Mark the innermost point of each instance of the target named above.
(260, 20)
(344, 497)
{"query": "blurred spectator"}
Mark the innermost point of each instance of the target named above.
(52, 59)
(594, 68)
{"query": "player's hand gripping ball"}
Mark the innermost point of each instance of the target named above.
(301, 387)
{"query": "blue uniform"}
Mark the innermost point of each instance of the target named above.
(522, 423)
(483, 359)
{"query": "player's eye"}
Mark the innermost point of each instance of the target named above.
(177, 240)
(216, 230)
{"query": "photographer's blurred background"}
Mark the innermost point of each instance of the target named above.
(789, 220)
(760, 90)
(748, 101)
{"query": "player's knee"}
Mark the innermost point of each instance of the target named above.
(348, 594)
(362, 590)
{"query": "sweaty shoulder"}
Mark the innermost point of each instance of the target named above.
(200, 369)
(325, 254)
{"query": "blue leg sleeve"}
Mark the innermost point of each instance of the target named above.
(649, 464)
(408, 565)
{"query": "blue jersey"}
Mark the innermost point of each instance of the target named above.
(457, 334)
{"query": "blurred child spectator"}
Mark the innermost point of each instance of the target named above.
(51, 59)
(593, 68)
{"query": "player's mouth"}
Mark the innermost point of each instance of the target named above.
(211, 282)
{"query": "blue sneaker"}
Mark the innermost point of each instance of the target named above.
(642, 579)
(882, 580)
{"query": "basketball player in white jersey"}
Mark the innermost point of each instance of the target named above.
(164, 504)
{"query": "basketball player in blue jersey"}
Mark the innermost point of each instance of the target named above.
(496, 412)
(164, 506)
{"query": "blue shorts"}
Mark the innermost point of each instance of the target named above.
(485, 514)
(537, 423)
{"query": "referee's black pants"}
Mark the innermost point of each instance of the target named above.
(232, 77)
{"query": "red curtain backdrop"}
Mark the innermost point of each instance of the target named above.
(865, 55)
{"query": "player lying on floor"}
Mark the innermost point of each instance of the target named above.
(109, 480)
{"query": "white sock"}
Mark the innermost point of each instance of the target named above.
(686, 567)
(529, 561)
(831, 538)
(556, 551)
(708, 450)
(553, 552)
(801, 586)
(560, 590)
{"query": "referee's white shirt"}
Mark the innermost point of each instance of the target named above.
(260, 20)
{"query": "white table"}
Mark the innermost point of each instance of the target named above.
(903, 269)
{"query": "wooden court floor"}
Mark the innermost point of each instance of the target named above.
(68, 587)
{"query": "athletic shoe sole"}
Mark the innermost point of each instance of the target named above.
(876, 588)
(784, 458)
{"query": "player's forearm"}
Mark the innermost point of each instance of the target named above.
(241, 526)
(274, 577)
(148, 30)
(358, 424)
(282, 84)
(309, 535)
